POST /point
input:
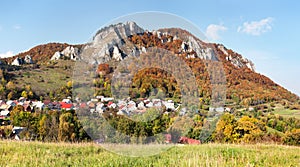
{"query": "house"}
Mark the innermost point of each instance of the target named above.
(186, 140)
(100, 108)
(227, 109)
(111, 105)
(94, 100)
(16, 132)
(22, 99)
(168, 138)
(47, 102)
(66, 106)
(68, 101)
(38, 105)
(5, 109)
(54, 106)
(149, 104)
(91, 104)
(107, 99)
(122, 109)
(141, 106)
(169, 105)
(157, 104)
(11, 103)
(82, 105)
(122, 112)
(121, 103)
(99, 97)
(250, 109)
(4, 113)
(131, 102)
(182, 112)
(131, 107)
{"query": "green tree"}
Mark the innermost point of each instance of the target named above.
(24, 94)
(66, 127)
(225, 129)
(292, 137)
(10, 85)
(249, 129)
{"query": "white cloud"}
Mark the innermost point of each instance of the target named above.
(7, 54)
(212, 31)
(256, 27)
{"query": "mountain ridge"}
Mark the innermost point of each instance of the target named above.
(128, 39)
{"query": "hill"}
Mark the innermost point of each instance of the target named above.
(124, 53)
(41, 53)
(114, 43)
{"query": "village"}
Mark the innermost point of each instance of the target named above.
(94, 105)
(98, 105)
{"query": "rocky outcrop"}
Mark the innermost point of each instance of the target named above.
(111, 43)
(17, 62)
(28, 59)
(69, 52)
(117, 55)
(20, 61)
(57, 55)
(236, 59)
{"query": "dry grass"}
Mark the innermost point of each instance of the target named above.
(88, 154)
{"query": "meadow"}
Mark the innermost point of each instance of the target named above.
(14, 153)
(288, 113)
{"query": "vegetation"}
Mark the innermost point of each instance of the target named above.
(88, 154)
(49, 81)
(238, 127)
(48, 126)
(259, 109)
(41, 54)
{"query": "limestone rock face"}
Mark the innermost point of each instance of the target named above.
(17, 62)
(28, 59)
(117, 54)
(236, 59)
(111, 43)
(56, 56)
(71, 52)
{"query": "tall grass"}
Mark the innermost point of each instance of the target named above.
(15, 153)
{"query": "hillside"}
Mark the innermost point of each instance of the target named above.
(186, 78)
(41, 53)
(244, 85)
(114, 43)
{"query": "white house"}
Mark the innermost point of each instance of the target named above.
(149, 104)
(38, 105)
(107, 99)
(68, 101)
(141, 106)
(169, 105)
(11, 103)
(4, 113)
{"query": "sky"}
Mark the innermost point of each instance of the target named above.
(266, 32)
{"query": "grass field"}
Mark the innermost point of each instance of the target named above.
(63, 154)
(287, 112)
(46, 78)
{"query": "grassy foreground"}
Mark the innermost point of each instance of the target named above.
(63, 154)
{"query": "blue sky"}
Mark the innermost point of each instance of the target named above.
(266, 32)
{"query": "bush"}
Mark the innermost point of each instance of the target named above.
(292, 137)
